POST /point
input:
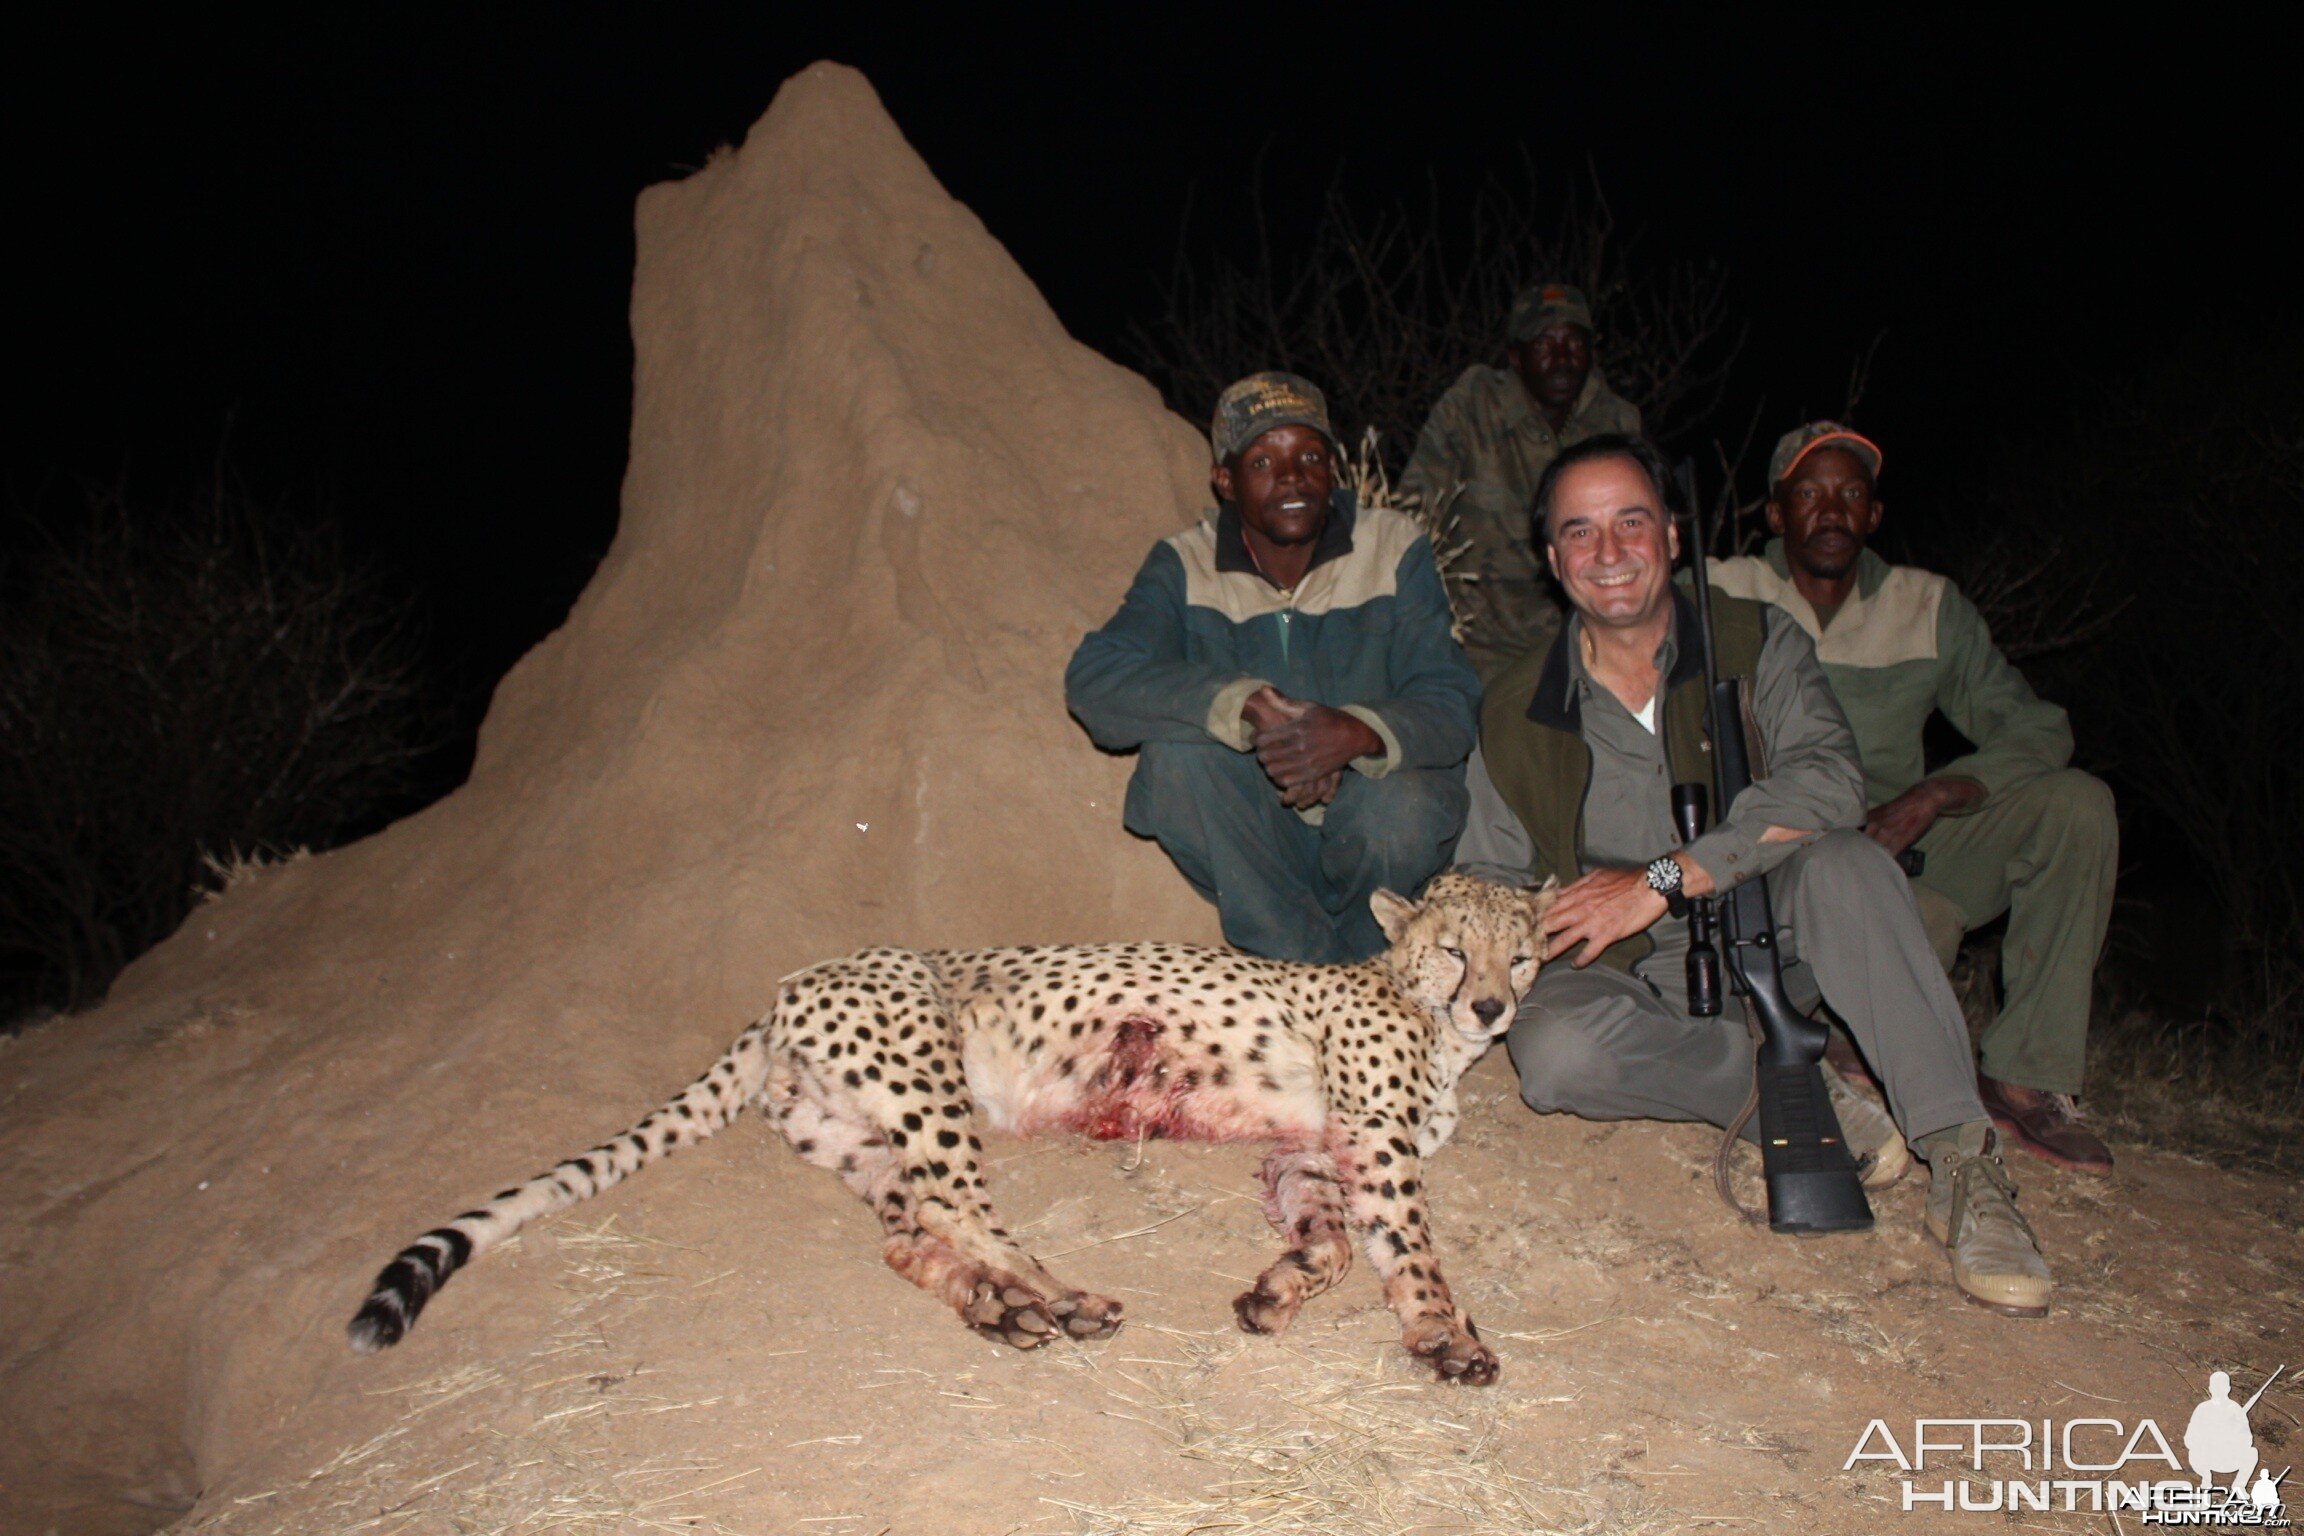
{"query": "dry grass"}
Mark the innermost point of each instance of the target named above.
(1365, 1450)
(233, 869)
(540, 1459)
(1371, 486)
(1855, 1321)
(2232, 1096)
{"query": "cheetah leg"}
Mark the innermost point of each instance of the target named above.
(945, 1239)
(1305, 1204)
(1384, 1191)
(1009, 1294)
(942, 1233)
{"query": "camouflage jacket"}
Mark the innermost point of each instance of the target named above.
(1485, 445)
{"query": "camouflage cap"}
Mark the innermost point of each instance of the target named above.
(1800, 442)
(1545, 305)
(1258, 403)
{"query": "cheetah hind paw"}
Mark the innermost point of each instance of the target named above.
(1006, 1310)
(1085, 1315)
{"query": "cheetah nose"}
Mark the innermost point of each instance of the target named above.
(1489, 1009)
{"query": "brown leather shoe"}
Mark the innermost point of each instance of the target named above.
(2047, 1125)
(1841, 1055)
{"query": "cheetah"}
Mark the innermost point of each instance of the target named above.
(875, 1066)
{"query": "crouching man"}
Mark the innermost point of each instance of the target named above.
(1580, 745)
(1286, 672)
(2012, 827)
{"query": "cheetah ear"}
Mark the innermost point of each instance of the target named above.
(1393, 912)
(1541, 898)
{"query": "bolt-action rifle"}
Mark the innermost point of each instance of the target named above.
(1812, 1179)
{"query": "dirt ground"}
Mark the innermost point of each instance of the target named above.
(813, 701)
(716, 1348)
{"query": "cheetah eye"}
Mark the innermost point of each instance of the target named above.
(1452, 952)
(1521, 960)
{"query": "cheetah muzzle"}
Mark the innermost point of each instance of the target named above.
(876, 1065)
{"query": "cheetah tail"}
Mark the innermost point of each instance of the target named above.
(421, 1268)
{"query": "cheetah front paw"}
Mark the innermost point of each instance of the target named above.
(1263, 1311)
(1453, 1350)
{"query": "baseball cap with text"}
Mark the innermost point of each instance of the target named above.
(1258, 403)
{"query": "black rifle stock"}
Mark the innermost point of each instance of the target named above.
(1812, 1179)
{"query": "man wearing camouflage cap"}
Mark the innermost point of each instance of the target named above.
(1485, 446)
(2010, 827)
(1286, 673)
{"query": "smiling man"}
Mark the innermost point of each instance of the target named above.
(1286, 673)
(1486, 444)
(2009, 827)
(1580, 746)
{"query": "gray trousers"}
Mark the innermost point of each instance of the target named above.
(1611, 1046)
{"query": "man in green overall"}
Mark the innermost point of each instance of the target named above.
(2010, 827)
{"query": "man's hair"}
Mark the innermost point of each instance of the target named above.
(1608, 445)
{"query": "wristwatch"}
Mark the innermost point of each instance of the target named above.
(1664, 877)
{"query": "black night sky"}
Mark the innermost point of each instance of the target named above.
(393, 250)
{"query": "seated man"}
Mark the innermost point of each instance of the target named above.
(2011, 827)
(1579, 748)
(1486, 443)
(1287, 669)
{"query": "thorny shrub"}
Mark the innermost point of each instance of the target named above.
(181, 688)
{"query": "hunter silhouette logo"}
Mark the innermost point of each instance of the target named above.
(2092, 1465)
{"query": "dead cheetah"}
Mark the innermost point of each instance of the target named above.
(873, 1066)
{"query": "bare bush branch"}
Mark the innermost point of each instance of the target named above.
(1371, 486)
(1382, 309)
(2039, 595)
(1860, 377)
(2187, 678)
(180, 686)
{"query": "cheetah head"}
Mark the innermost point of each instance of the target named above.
(1469, 951)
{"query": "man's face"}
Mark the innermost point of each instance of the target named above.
(1611, 544)
(1281, 482)
(1825, 511)
(1554, 364)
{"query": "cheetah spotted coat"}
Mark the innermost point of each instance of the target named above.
(875, 1067)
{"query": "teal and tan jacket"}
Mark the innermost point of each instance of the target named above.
(1906, 643)
(1366, 631)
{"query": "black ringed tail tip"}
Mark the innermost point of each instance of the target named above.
(404, 1285)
